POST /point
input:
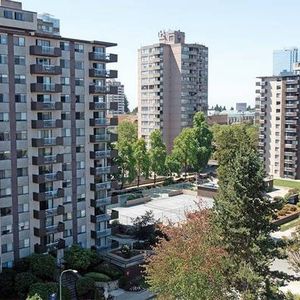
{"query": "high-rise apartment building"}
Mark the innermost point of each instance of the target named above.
(284, 60)
(55, 162)
(277, 107)
(118, 98)
(172, 85)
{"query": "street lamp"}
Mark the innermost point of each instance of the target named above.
(60, 277)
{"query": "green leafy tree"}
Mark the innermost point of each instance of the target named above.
(243, 216)
(157, 154)
(127, 136)
(23, 281)
(203, 137)
(34, 297)
(188, 264)
(7, 281)
(141, 157)
(185, 149)
(43, 266)
(172, 165)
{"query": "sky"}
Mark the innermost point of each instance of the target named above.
(240, 34)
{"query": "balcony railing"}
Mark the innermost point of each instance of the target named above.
(51, 212)
(100, 233)
(42, 178)
(41, 142)
(45, 69)
(103, 57)
(58, 244)
(46, 88)
(45, 51)
(100, 218)
(46, 105)
(100, 89)
(101, 186)
(100, 202)
(97, 106)
(47, 159)
(100, 170)
(100, 138)
(99, 122)
(45, 230)
(39, 124)
(100, 154)
(59, 193)
(103, 73)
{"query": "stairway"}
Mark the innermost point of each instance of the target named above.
(69, 281)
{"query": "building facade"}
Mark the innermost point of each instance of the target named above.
(277, 107)
(118, 98)
(172, 85)
(55, 162)
(284, 60)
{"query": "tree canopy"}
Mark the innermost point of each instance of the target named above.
(142, 162)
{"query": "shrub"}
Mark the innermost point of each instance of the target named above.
(109, 270)
(43, 266)
(23, 281)
(44, 290)
(98, 276)
(34, 297)
(168, 181)
(7, 281)
(84, 285)
(22, 265)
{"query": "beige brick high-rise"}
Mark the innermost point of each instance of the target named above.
(55, 163)
(172, 85)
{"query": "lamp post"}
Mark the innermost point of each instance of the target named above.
(60, 278)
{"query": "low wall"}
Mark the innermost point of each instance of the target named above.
(189, 192)
(287, 219)
(208, 192)
(175, 193)
(137, 201)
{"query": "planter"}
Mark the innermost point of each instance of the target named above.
(287, 218)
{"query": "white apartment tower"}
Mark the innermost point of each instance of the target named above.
(172, 85)
(277, 107)
(118, 98)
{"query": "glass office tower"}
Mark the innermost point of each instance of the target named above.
(283, 61)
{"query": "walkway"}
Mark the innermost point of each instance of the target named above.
(123, 295)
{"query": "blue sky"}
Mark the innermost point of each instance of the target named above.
(240, 34)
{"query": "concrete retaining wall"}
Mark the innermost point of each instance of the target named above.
(137, 201)
(175, 193)
(207, 192)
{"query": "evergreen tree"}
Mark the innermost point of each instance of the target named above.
(157, 154)
(243, 215)
(126, 105)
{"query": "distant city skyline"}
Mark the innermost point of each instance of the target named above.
(241, 36)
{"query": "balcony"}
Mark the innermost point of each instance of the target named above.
(51, 212)
(100, 233)
(41, 232)
(101, 186)
(99, 138)
(100, 89)
(46, 88)
(290, 146)
(100, 202)
(294, 105)
(59, 193)
(114, 199)
(101, 73)
(103, 154)
(42, 142)
(46, 105)
(114, 106)
(291, 122)
(291, 81)
(42, 178)
(97, 106)
(45, 51)
(291, 129)
(41, 124)
(58, 244)
(291, 90)
(100, 218)
(291, 114)
(98, 122)
(114, 215)
(291, 138)
(113, 121)
(292, 98)
(45, 69)
(100, 170)
(108, 58)
(48, 159)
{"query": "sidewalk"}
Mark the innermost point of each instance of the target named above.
(123, 295)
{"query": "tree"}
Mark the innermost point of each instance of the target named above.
(157, 154)
(203, 137)
(7, 281)
(172, 165)
(231, 108)
(43, 266)
(135, 111)
(243, 216)
(23, 282)
(294, 251)
(126, 105)
(34, 297)
(187, 264)
(80, 259)
(185, 149)
(127, 136)
(141, 157)
(43, 290)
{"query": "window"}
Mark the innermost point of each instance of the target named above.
(19, 16)
(5, 174)
(67, 233)
(5, 211)
(79, 115)
(81, 181)
(6, 229)
(20, 60)
(19, 41)
(4, 136)
(3, 59)
(65, 63)
(3, 78)
(21, 135)
(67, 184)
(6, 248)
(65, 98)
(79, 81)
(4, 155)
(80, 149)
(67, 199)
(22, 172)
(79, 98)
(79, 165)
(4, 117)
(65, 46)
(24, 243)
(67, 167)
(65, 80)
(8, 14)
(81, 213)
(79, 131)
(21, 116)
(20, 98)
(20, 79)
(66, 116)
(81, 198)
(24, 207)
(67, 216)
(3, 39)
(23, 190)
(79, 48)
(79, 65)
(7, 264)
(66, 132)
(22, 153)
(24, 225)
(82, 229)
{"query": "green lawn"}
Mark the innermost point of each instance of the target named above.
(289, 225)
(287, 183)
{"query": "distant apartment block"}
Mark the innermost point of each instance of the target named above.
(230, 117)
(277, 106)
(55, 160)
(284, 60)
(172, 85)
(241, 106)
(118, 98)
